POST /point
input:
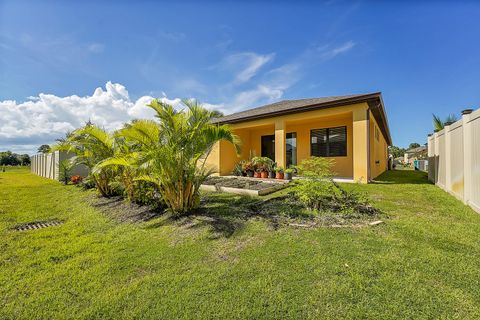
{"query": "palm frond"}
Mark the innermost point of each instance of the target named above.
(451, 118)
(437, 123)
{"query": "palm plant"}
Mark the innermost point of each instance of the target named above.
(91, 145)
(171, 153)
(438, 124)
(125, 161)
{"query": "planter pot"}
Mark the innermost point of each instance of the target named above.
(279, 175)
(271, 174)
(288, 176)
(263, 174)
(250, 174)
(256, 175)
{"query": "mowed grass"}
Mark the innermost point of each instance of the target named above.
(423, 263)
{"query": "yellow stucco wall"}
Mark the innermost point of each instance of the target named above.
(360, 144)
(378, 150)
(354, 117)
(343, 165)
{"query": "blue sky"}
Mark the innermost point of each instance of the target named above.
(423, 57)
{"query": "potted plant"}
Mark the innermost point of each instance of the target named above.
(76, 179)
(288, 174)
(263, 165)
(271, 170)
(248, 168)
(238, 169)
(279, 171)
(257, 173)
(271, 174)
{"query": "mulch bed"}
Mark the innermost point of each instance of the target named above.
(121, 210)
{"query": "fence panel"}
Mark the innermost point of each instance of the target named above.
(455, 182)
(454, 158)
(48, 165)
(441, 159)
(474, 124)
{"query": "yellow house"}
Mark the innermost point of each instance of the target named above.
(352, 130)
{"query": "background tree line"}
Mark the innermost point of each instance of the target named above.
(8, 158)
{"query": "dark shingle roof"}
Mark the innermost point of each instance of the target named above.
(417, 149)
(294, 106)
(283, 106)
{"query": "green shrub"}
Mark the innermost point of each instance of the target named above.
(315, 189)
(146, 193)
(64, 169)
(238, 169)
(318, 192)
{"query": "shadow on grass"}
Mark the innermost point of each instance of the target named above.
(226, 214)
(402, 177)
(119, 209)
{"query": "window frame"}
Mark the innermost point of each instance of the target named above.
(328, 143)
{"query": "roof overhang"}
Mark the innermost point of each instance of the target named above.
(374, 101)
(377, 108)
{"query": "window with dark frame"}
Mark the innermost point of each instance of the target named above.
(328, 142)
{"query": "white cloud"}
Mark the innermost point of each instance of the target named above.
(42, 119)
(247, 99)
(258, 86)
(327, 53)
(246, 64)
(26, 125)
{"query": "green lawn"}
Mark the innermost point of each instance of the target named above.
(423, 263)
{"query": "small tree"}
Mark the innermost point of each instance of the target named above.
(396, 151)
(413, 145)
(44, 148)
(24, 159)
(316, 186)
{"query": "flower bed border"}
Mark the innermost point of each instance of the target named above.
(276, 185)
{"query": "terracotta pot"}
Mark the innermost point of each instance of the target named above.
(256, 174)
(264, 174)
(279, 175)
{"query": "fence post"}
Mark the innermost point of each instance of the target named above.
(432, 159)
(467, 155)
(448, 158)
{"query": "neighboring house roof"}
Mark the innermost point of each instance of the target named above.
(417, 150)
(374, 101)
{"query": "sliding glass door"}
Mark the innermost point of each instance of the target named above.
(268, 146)
(291, 149)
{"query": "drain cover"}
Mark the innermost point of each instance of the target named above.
(37, 225)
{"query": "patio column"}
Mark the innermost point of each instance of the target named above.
(360, 145)
(280, 143)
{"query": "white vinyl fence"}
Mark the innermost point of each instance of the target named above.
(47, 165)
(454, 158)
